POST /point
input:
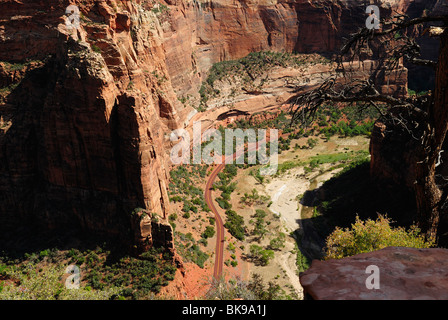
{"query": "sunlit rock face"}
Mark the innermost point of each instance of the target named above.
(394, 273)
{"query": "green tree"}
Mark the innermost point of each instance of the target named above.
(235, 224)
(208, 233)
(278, 242)
(371, 235)
(260, 225)
(257, 287)
(260, 255)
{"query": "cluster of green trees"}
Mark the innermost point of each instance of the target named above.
(345, 120)
(278, 242)
(183, 188)
(345, 159)
(260, 255)
(104, 274)
(209, 232)
(302, 261)
(371, 235)
(235, 224)
(417, 94)
(253, 197)
(138, 277)
(347, 129)
(189, 249)
(254, 289)
(256, 174)
(225, 185)
(233, 262)
(259, 230)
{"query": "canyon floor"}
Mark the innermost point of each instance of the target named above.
(284, 215)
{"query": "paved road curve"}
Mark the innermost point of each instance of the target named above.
(219, 251)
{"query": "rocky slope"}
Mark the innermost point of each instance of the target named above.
(85, 113)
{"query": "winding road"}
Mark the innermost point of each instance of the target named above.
(219, 251)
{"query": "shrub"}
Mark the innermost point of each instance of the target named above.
(260, 255)
(198, 256)
(186, 215)
(302, 261)
(278, 242)
(235, 224)
(208, 233)
(44, 253)
(224, 204)
(312, 143)
(369, 235)
(96, 48)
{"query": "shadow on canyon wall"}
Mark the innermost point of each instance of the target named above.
(347, 195)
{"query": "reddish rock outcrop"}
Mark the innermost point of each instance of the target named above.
(404, 274)
(396, 161)
(151, 230)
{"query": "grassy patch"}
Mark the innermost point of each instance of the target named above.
(104, 274)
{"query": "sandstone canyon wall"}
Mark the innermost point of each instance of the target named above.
(84, 114)
(83, 128)
(198, 34)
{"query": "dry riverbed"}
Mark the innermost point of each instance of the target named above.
(285, 210)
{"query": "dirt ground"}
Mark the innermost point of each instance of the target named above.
(284, 213)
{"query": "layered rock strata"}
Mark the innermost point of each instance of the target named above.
(83, 128)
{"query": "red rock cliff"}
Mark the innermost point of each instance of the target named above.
(83, 115)
(197, 34)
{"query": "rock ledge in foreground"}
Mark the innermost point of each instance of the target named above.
(404, 274)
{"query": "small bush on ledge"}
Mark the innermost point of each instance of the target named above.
(370, 235)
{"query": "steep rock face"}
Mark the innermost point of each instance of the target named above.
(422, 78)
(150, 230)
(197, 34)
(404, 274)
(82, 133)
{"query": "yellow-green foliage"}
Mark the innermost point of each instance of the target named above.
(370, 235)
(35, 283)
